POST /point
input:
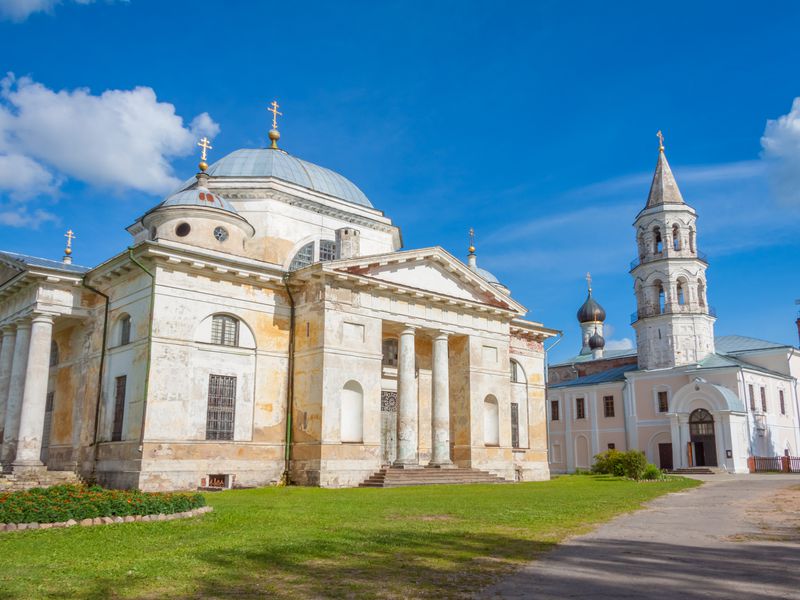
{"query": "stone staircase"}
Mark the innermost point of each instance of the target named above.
(696, 471)
(398, 477)
(31, 478)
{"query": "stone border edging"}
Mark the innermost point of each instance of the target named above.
(107, 520)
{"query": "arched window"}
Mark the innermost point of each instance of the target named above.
(681, 292)
(491, 421)
(303, 258)
(701, 292)
(658, 245)
(352, 412)
(676, 238)
(54, 359)
(517, 373)
(327, 250)
(661, 299)
(691, 240)
(225, 330)
(124, 330)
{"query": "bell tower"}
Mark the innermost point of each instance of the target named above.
(673, 321)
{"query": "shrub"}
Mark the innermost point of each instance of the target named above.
(652, 472)
(64, 502)
(631, 464)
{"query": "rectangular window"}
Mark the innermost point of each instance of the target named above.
(580, 408)
(608, 406)
(221, 407)
(327, 250)
(782, 401)
(120, 384)
(764, 399)
(663, 402)
(514, 425)
(390, 352)
(612, 446)
(752, 394)
(554, 410)
(125, 331)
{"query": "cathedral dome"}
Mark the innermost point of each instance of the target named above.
(268, 162)
(591, 311)
(199, 196)
(597, 341)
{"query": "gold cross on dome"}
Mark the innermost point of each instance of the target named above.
(589, 280)
(660, 137)
(205, 145)
(273, 108)
(70, 235)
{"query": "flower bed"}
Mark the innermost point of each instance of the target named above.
(65, 502)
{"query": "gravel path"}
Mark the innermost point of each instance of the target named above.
(733, 537)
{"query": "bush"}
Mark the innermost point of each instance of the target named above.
(64, 502)
(631, 464)
(652, 472)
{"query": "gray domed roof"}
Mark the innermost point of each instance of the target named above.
(267, 162)
(488, 276)
(198, 196)
(591, 311)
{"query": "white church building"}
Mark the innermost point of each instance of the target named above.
(266, 324)
(686, 398)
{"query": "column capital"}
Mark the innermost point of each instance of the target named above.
(441, 334)
(409, 329)
(42, 318)
(8, 328)
(23, 323)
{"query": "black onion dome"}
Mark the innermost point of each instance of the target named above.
(591, 311)
(597, 341)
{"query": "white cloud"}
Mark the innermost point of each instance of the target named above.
(24, 178)
(623, 344)
(18, 216)
(781, 151)
(19, 10)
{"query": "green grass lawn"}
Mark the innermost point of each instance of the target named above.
(436, 541)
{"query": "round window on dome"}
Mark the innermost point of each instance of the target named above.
(183, 229)
(221, 234)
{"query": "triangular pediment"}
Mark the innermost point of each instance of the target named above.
(430, 270)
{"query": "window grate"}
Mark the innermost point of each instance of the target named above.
(303, 258)
(514, 425)
(327, 250)
(119, 407)
(221, 407)
(580, 408)
(663, 402)
(225, 331)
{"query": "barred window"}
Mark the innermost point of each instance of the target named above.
(327, 250)
(514, 425)
(125, 330)
(224, 330)
(54, 358)
(764, 399)
(221, 407)
(663, 402)
(303, 258)
(608, 406)
(554, 410)
(120, 383)
(580, 408)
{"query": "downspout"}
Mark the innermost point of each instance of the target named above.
(149, 343)
(547, 413)
(99, 376)
(289, 385)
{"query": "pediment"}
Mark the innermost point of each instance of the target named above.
(9, 269)
(432, 271)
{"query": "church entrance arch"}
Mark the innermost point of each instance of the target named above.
(703, 442)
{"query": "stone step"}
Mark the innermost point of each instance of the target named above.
(695, 471)
(398, 477)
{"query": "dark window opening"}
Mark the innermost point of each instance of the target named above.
(514, 425)
(782, 402)
(608, 406)
(554, 410)
(580, 408)
(120, 383)
(221, 407)
(663, 402)
(390, 352)
(764, 399)
(183, 229)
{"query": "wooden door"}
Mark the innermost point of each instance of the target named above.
(665, 456)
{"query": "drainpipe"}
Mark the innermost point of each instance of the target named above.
(289, 385)
(547, 413)
(99, 376)
(149, 342)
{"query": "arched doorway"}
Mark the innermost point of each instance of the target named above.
(703, 442)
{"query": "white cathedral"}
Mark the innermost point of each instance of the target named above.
(266, 325)
(686, 398)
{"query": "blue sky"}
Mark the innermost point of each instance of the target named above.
(534, 122)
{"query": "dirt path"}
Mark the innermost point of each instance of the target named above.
(734, 537)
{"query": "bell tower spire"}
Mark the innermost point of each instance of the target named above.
(673, 322)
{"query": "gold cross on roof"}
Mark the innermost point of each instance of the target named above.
(70, 235)
(273, 108)
(205, 145)
(660, 137)
(471, 240)
(589, 280)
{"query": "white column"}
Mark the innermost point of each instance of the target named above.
(15, 387)
(6, 357)
(407, 401)
(440, 421)
(34, 396)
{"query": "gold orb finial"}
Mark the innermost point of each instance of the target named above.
(274, 136)
(660, 137)
(471, 241)
(70, 235)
